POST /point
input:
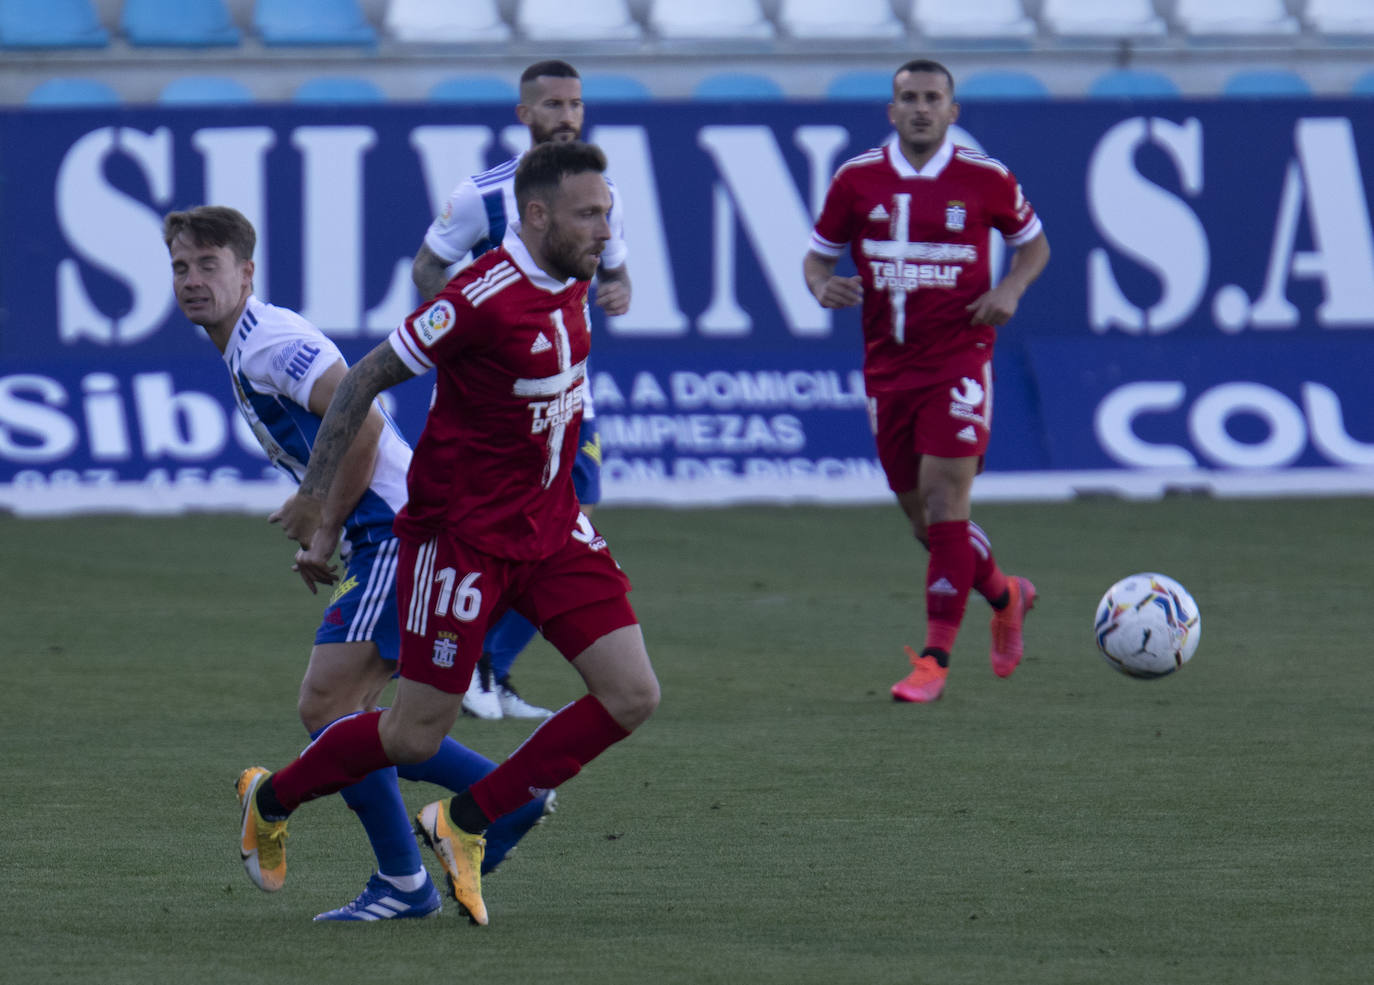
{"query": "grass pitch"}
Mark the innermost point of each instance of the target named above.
(780, 819)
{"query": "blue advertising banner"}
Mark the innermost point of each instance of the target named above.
(1206, 320)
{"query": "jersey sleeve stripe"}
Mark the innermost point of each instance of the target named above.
(408, 352)
(824, 247)
(1031, 231)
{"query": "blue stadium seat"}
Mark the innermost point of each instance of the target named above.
(727, 86)
(50, 24)
(312, 22)
(186, 23)
(203, 90)
(73, 92)
(1266, 82)
(1133, 83)
(338, 89)
(614, 89)
(474, 89)
(864, 86)
(1001, 85)
(1364, 85)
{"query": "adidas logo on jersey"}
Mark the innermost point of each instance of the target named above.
(942, 587)
(541, 344)
(969, 435)
(879, 214)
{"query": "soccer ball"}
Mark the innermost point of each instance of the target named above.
(1147, 626)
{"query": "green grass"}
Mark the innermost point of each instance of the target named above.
(780, 820)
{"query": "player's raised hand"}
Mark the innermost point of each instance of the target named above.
(841, 292)
(299, 517)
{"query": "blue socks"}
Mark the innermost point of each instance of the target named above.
(511, 634)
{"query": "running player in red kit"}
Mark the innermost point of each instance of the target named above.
(491, 523)
(916, 215)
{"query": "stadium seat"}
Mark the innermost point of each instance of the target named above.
(72, 93)
(1364, 85)
(1340, 18)
(1001, 85)
(1102, 19)
(1234, 18)
(312, 22)
(185, 23)
(474, 89)
(710, 20)
(992, 20)
(1133, 83)
(1266, 82)
(446, 21)
(726, 86)
(614, 89)
(576, 20)
(826, 20)
(865, 86)
(338, 89)
(204, 89)
(50, 24)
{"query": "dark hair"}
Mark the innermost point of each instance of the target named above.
(212, 225)
(926, 65)
(554, 67)
(544, 167)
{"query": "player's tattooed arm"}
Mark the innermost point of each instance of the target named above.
(378, 370)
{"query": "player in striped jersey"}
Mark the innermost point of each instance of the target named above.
(473, 221)
(283, 372)
(916, 215)
(491, 523)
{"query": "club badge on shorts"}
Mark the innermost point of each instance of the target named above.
(445, 649)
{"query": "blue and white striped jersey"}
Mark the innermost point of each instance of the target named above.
(274, 358)
(479, 209)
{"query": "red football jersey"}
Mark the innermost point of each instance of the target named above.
(494, 463)
(920, 242)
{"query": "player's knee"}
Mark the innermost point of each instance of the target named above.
(633, 701)
(408, 745)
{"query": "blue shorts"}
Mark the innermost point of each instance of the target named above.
(363, 606)
(586, 473)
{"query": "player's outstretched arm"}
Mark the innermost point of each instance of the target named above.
(827, 288)
(379, 370)
(429, 271)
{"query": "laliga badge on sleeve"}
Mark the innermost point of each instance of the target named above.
(433, 323)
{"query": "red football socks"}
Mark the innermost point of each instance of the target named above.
(556, 752)
(949, 575)
(344, 753)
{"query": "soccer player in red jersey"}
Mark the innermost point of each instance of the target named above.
(916, 215)
(491, 522)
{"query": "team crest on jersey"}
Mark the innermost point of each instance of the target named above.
(433, 323)
(445, 649)
(955, 217)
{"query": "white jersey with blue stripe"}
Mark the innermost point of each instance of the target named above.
(480, 208)
(274, 358)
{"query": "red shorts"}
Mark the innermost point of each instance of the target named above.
(952, 419)
(448, 594)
